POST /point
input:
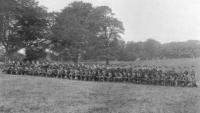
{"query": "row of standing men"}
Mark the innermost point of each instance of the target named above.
(142, 75)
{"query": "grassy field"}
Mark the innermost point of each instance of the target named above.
(27, 94)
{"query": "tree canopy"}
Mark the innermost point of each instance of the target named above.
(23, 24)
(80, 25)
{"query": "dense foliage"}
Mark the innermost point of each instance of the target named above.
(23, 24)
(152, 49)
(81, 28)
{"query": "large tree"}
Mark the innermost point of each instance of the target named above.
(8, 18)
(109, 29)
(71, 30)
(81, 28)
(23, 24)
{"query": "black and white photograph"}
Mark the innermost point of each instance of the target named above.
(99, 56)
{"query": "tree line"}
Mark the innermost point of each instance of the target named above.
(152, 49)
(79, 31)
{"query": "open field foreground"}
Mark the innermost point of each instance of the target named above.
(26, 94)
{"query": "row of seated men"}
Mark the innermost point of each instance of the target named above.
(154, 76)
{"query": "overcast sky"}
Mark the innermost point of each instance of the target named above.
(163, 20)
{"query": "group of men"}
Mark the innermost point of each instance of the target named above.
(89, 72)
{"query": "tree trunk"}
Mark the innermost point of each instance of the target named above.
(8, 56)
(77, 58)
(107, 61)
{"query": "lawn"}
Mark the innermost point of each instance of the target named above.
(27, 94)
